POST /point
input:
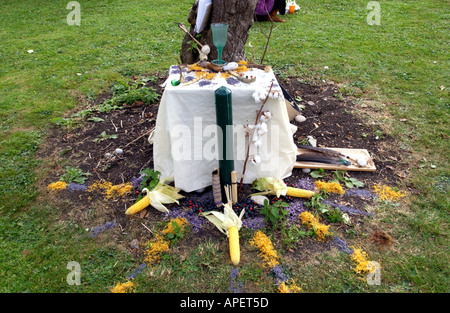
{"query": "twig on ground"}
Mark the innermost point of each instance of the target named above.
(144, 134)
(115, 127)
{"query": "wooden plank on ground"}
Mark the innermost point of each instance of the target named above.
(353, 154)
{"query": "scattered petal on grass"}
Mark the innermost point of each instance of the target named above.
(346, 209)
(137, 271)
(267, 251)
(341, 245)
(236, 286)
(360, 258)
(123, 287)
(154, 249)
(289, 287)
(386, 193)
(108, 225)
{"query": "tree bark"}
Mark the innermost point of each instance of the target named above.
(239, 14)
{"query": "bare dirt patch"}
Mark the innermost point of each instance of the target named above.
(330, 118)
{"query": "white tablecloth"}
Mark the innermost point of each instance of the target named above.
(185, 143)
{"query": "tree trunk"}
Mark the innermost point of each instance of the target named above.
(239, 14)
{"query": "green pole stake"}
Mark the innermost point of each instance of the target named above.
(224, 119)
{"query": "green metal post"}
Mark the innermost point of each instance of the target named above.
(224, 119)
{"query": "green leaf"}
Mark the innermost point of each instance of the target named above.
(357, 183)
(275, 213)
(96, 119)
(349, 184)
(317, 173)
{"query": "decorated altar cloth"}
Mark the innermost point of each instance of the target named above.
(185, 144)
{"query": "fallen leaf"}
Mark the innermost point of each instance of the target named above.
(143, 213)
(414, 191)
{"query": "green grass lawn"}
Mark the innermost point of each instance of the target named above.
(400, 67)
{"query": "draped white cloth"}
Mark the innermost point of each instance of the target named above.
(185, 139)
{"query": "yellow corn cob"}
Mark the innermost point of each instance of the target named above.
(299, 193)
(233, 240)
(138, 206)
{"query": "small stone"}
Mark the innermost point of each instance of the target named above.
(306, 170)
(134, 244)
(108, 155)
(300, 118)
(362, 162)
(310, 103)
(118, 151)
(312, 141)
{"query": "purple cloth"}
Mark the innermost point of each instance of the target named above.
(263, 7)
